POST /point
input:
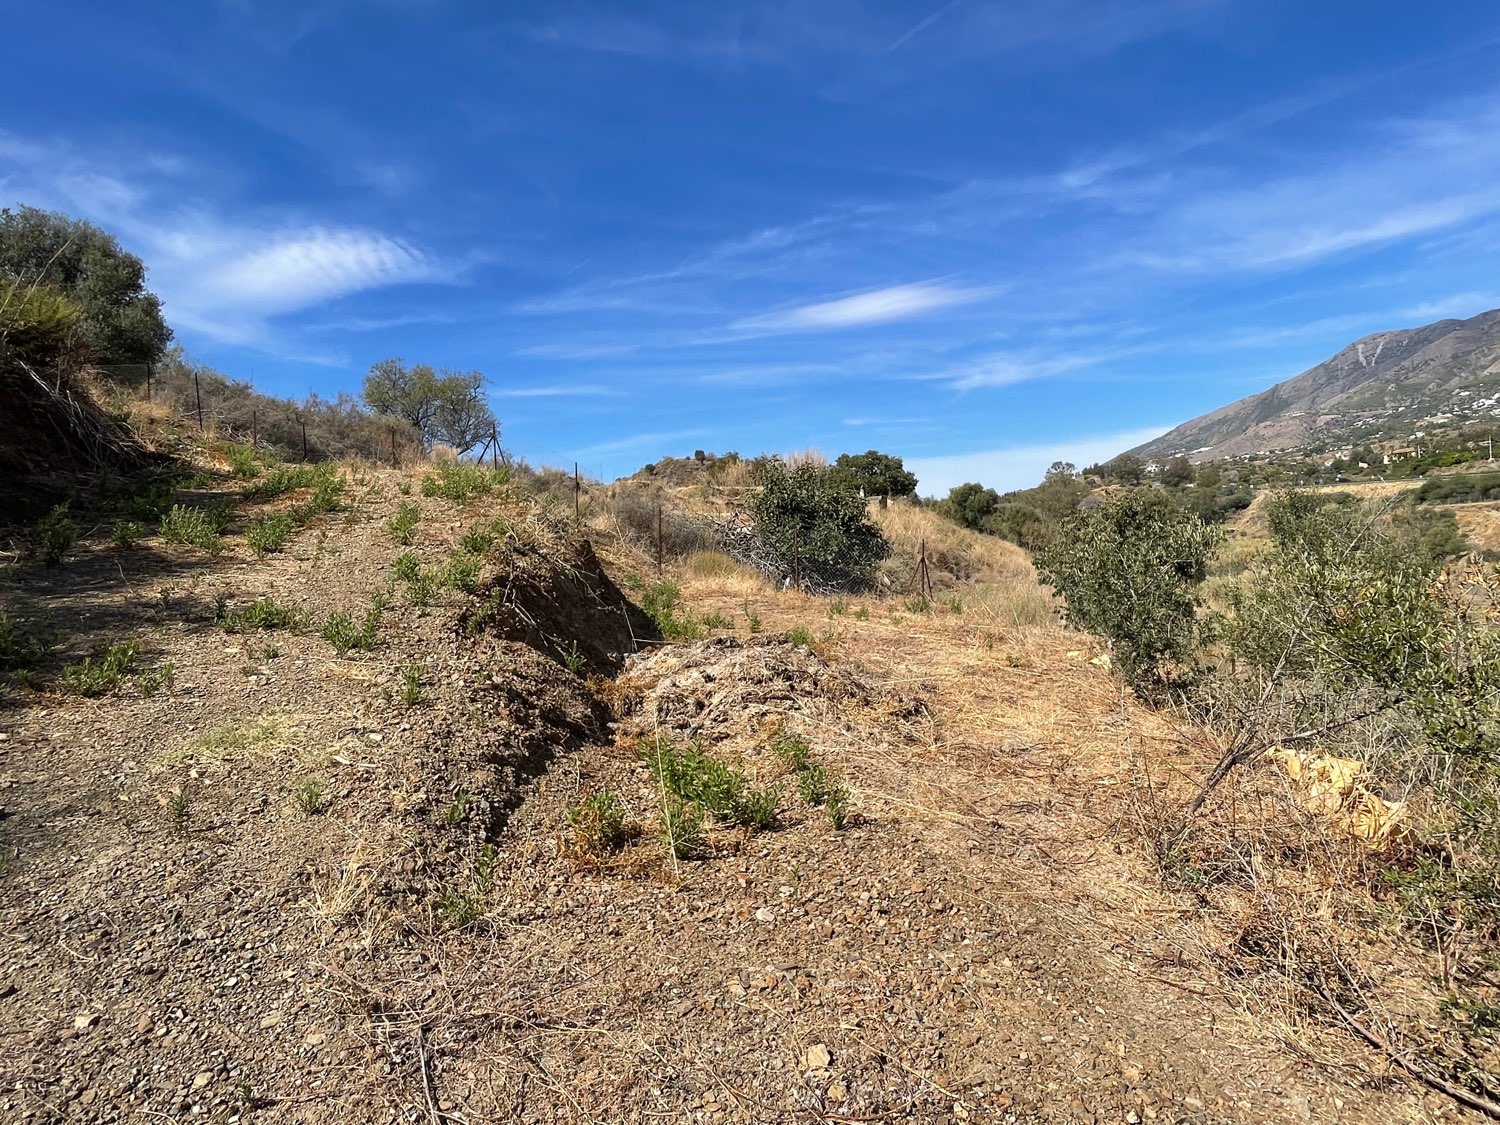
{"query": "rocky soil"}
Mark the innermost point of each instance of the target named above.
(290, 888)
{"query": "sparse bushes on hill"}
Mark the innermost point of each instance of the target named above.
(1459, 488)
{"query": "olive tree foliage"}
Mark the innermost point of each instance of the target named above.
(119, 321)
(1130, 570)
(874, 474)
(1347, 641)
(815, 530)
(447, 406)
(969, 505)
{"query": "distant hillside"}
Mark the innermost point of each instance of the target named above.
(1382, 386)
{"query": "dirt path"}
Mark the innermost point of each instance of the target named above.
(266, 894)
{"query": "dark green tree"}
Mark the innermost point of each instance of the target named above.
(969, 505)
(815, 530)
(874, 474)
(120, 320)
(1130, 571)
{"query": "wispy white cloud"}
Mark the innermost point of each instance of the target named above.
(575, 351)
(1021, 466)
(561, 390)
(223, 276)
(897, 302)
(634, 442)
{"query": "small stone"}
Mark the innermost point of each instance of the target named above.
(269, 1020)
(816, 1057)
(144, 1025)
(314, 1039)
(202, 1079)
(85, 1021)
(765, 914)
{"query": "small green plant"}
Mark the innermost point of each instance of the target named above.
(55, 535)
(662, 602)
(21, 647)
(403, 525)
(160, 678)
(574, 660)
(91, 678)
(461, 908)
(180, 809)
(800, 636)
(127, 533)
(195, 527)
(836, 806)
(404, 487)
(757, 808)
(411, 685)
(407, 567)
(308, 795)
(702, 779)
(264, 614)
(716, 620)
(462, 481)
(344, 634)
(862, 613)
(955, 605)
(598, 823)
(794, 752)
(421, 590)
(457, 809)
(752, 618)
(812, 783)
(243, 461)
(838, 607)
(681, 828)
(477, 540)
(462, 573)
(267, 534)
(920, 604)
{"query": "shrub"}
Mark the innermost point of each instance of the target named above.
(662, 602)
(598, 823)
(344, 634)
(91, 679)
(403, 524)
(411, 685)
(724, 791)
(127, 533)
(462, 481)
(243, 460)
(21, 647)
(195, 527)
(407, 567)
(264, 614)
(309, 796)
(1130, 571)
(682, 828)
(55, 535)
(462, 573)
(269, 533)
(813, 531)
(477, 540)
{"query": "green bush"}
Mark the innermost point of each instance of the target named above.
(195, 527)
(662, 602)
(1130, 571)
(598, 823)
(403, 525)
(264, 614)
(55, 535)
(1459, 488)
(702, 779)
(127, 533)
(682, 828)
(243, 460)
(813, 530)
(94, 678)
(345, 634)
(462, 481)
(21, 647)
(269, 533)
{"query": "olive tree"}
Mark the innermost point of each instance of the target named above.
(119, 320)
(447, 406)
(813, 529)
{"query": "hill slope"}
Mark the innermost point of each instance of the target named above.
(1386, 383)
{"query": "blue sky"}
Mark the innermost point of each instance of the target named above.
(978, 235)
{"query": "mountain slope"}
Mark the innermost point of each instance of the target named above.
(1384, 384)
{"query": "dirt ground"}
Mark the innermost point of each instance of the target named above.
(284, 890)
